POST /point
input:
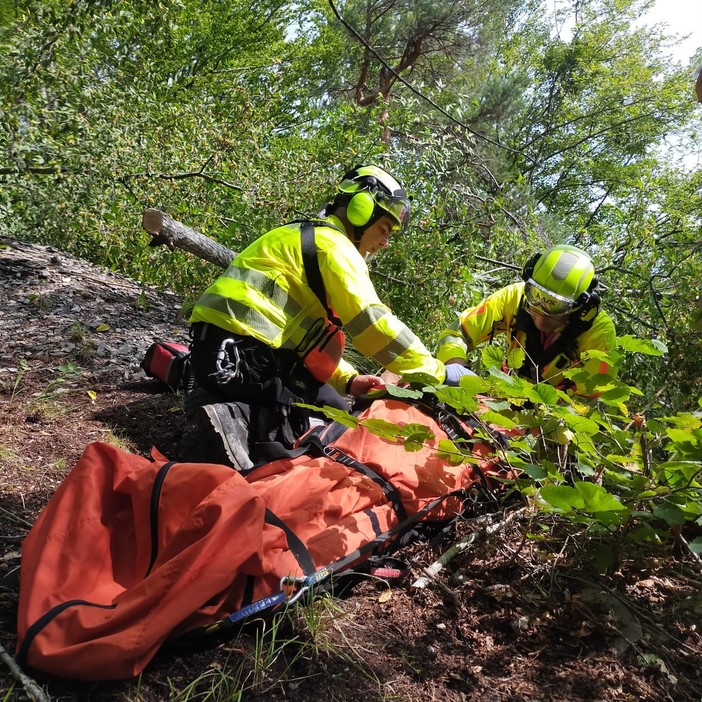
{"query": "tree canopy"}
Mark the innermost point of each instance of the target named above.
(237, 115)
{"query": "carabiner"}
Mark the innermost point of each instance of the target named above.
(288, 585)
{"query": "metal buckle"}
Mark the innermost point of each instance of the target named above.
(288, 585)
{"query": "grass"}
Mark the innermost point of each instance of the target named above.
(10, 457)
(300, 634)
(117, 441)
(85, 347)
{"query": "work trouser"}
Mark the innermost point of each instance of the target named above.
(243, 369)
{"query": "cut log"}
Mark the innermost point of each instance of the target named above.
(169, 232)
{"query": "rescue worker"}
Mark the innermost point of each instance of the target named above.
(268, 332)
(554, 315)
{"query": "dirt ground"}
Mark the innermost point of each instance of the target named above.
(515, 617)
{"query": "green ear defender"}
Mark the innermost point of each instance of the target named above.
(360, 208)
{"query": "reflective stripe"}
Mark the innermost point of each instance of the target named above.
(241, 312)
(266, 286)
(449, 339)
(395, 348)
(365, 319)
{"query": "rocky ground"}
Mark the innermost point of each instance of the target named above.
(513, 618)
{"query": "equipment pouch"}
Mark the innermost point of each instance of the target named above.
(324, 355)
(167, 362)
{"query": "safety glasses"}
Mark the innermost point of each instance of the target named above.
(544, 301)
(397, 207)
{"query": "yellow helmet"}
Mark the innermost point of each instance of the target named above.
(369, 193)
(557, 279)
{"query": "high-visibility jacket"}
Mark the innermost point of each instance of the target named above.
(264, 294)
(498, 313)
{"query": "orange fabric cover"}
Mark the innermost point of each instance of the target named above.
(93, 541)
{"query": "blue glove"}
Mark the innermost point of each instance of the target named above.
(454, 373)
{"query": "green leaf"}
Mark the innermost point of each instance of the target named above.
(516, 358)
(670, 513)
(333, 413)
(382, 428)
(563, 497)
(684, 436)
(580, 424)
(463, 402)
(498, 405)
(450, 453)
(615, 395)
(645, 533)
(473, 384)
(544, 394)
(633, 344)
(599, 355)
(602, 555)
(696, 545)
(597, 499)
(402, 392)
(503, 385)
(415, 436)
(498, 419)
(492, 357)
(535, 472)
(686, 471)
(419, 378)
(683, 420)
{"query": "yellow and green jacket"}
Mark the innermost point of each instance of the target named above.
(264, 294)
(503, 312)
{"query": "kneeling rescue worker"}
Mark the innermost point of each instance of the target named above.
(554, 315)
(268, 332)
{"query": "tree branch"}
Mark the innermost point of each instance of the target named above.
(417, 92)
(166, 231)
(31, 688)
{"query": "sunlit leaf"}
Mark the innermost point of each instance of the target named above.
(402, 392)
(333, 413)
(633, 344)
(498, 419)
(492, 357)
(597, 499)
(516, 358)
(581, 424)
(382, 428)
(563, 497)
(450, 453)
(544, 394)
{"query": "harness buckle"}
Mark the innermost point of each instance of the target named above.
(228, 362)
(293, 588)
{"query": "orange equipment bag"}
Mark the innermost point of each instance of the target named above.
(130, 552)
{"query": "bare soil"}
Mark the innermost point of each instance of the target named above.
(521, 615)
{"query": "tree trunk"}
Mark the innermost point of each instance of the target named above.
(164, 230)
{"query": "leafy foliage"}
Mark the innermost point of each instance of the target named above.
(234, 116)
(594, 462)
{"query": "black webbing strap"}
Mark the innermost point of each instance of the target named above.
(47, 618)
(312, 446)
(387, 487)
(153, 510)
(311, 265)
(382, 541)
(566, 344)
(297, 548)
(452, 424)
